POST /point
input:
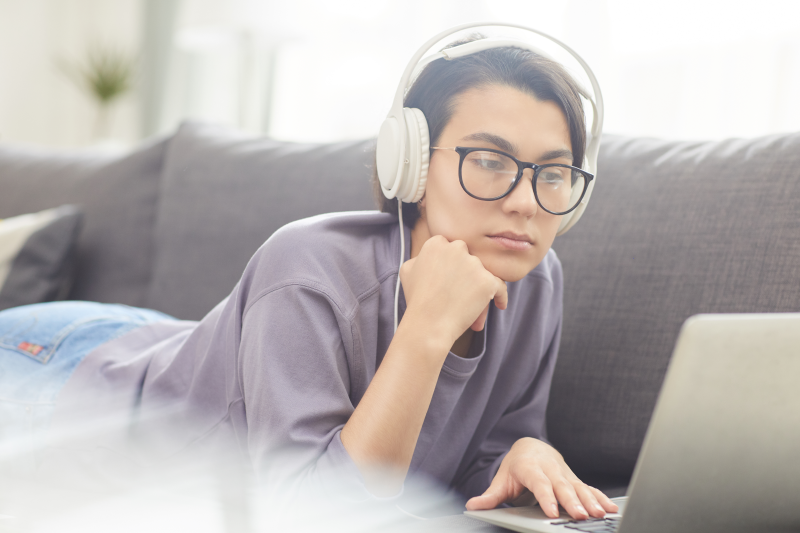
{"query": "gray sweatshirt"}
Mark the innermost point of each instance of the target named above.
(279, 365)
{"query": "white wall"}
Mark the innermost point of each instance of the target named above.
(38, 104)
(688, 69)
(317, 70)
(702, 68)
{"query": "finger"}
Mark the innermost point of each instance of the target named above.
(589, 500)
(405, 268)
(480, 322)
(487, 500)
(539, 484)
(435, 240)
(492, 497)
(501, 295)
(461, 246)
(526, 499)
(569, 499)
(605, 501)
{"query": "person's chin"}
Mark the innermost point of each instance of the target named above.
(510, 269)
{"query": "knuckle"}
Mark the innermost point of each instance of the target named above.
(542, 479)
(587, 496)
(599, 494)
(575, 480)
(475, 263)
(434, 242)
(563, 485)
(543, 492)
(459, 246)
(532, 476)
(579, 486)
(545, 498)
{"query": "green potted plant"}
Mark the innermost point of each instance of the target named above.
(106, 74)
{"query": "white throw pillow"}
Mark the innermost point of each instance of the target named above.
(37, 255)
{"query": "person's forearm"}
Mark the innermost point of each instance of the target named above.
(382, 432)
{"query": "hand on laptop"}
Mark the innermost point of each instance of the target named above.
(534, 465)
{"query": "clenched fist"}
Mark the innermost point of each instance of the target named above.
(450, 288)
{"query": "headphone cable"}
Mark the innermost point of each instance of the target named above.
(402, 256)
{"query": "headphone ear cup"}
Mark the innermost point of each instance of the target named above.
(388, 156)
(419, 149)
(408, 183)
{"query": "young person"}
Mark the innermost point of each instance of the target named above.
(303, 356)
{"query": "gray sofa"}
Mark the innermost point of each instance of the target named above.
(673, 229)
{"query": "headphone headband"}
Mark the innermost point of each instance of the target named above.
(397, 130)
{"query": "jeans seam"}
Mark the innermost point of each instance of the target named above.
(58, 340)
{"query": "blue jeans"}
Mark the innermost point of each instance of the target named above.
(40, 347)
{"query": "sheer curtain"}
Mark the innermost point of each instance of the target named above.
(314, 70)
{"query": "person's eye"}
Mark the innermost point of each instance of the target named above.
(490, 162)
(553, 179)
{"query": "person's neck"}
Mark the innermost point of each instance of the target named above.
(419, 234)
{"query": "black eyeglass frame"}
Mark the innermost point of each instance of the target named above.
(521, 166)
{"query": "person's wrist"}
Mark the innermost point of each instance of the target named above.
(429, 334)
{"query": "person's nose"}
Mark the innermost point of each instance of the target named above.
(522, 200)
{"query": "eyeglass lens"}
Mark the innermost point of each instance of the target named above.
(488, 175)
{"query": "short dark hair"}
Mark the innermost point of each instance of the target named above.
(440, 82)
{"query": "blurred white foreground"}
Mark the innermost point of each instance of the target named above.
(103, 476)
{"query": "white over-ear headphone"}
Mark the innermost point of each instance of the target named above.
(403, 150)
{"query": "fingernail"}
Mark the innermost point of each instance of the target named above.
(599, 508)
(582, 510)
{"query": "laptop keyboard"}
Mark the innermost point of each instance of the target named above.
(593, 525)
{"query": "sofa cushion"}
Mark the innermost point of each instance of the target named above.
(673, 229)
(37, 256)
(118, 197)
(224, 194)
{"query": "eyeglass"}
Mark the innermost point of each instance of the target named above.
(491, 175)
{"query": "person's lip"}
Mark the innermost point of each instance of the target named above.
(512, 241)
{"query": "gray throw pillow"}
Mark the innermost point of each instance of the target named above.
(37, 256)
(118, 195)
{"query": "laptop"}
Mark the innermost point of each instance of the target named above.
(722, 451)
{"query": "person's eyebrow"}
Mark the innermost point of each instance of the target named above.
(557, 154)
(508, 146)
(501, 143)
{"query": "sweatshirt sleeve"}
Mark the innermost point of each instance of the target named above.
(295, 354)
(526, 418)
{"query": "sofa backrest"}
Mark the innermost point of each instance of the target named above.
(223, 194)
(673, 229)
(118, 196)
(172, 225)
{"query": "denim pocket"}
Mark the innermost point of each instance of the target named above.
(37, 331)
(38, 340)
